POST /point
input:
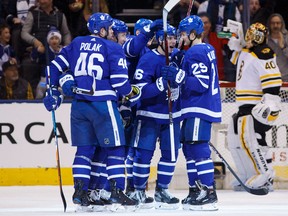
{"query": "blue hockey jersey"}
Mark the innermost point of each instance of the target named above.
(96, 64)
(201, 92)
(134, 48)
(154, 103)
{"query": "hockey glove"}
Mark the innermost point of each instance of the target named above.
(173, 74)
(235, 44)
(126, 115)
(150, 29)
(54, 100)
(132, 98)
(177, 58)
(67, 84)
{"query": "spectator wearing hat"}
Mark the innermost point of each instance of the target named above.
(54, 39)
(12, 86)
(6, 51)
(37, 24)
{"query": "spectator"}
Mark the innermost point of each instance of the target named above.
(210, 37)
(6, 51)
(75, 10)
(278, 41)
(12, 86)
(34, 32)
(54, 47)
(17, 13)
(260, 12)
(81, 29)
(220, 11)
(38, 23)
(181, 10)
(3, 10)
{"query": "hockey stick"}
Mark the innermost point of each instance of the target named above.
(81, 91)
(55, 132)
(167, 8)
(190, 7)
(255, 191)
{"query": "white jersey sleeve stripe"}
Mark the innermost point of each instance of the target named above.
(64, 60)
(119, 76)
(57, 65)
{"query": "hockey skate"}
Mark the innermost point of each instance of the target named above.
(80, 198)
(142, 199)
(129, 189)
(200, 198)
(95, 201)
(119, 201)
(165, 200)
(105, 196)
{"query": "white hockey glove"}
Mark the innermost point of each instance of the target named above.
(235, 44)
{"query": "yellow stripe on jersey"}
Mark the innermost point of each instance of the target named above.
(234, 57)
(271, 80)
(247, 99)
(248, 95)
(271, 76)
(272, 83)
(249, 92)
(244, 145)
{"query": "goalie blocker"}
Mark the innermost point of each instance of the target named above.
(246, 142)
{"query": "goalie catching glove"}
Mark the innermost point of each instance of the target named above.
(53, 99)
(67, 84)
(132, 98)
(267, 111)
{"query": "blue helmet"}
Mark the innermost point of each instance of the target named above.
(191, 23)
(141, 23)
(98, 21)
(119, 26)
(171, 31)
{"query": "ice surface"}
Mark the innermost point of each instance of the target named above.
(46, 201)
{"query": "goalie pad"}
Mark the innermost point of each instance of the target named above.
(246, 152)
(268, 109)
(236, 151)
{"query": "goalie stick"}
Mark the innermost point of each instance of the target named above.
(167, 8)
(255, 191)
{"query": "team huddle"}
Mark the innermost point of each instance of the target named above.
(127, 99)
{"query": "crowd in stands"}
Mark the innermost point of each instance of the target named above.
(32, 33)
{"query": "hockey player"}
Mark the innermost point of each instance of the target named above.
(99, 66)
(257, 87)
(201, 106)
(99, 187)
(135, 47)
(120, 31)
(153, 122)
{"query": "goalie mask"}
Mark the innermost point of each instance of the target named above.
(256, 34)
(267, 111)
